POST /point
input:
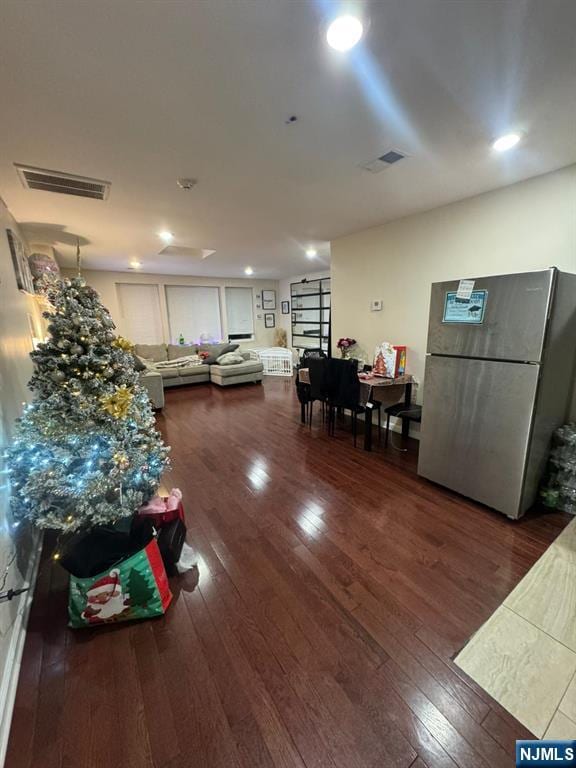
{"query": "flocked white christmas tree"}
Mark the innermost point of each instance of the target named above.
(86, 450)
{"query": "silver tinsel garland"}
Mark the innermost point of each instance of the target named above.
(86, 450)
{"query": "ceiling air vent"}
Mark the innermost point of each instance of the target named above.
(63, 183)
(389, 158)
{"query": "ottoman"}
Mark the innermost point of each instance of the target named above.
(239, 373)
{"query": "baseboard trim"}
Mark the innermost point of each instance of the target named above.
(14, 659)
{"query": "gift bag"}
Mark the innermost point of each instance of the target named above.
(134, 588)
(162, 510)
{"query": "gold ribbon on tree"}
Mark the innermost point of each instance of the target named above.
(121, 343)
(118, 403)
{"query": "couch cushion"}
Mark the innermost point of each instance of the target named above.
(154, 352)
(169, 373)
(249, 366)
(193, 370)
(230, 358)
(181, 350)
(215, 350)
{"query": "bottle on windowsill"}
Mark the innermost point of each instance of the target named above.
(181, 339)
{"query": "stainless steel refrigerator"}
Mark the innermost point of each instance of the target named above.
(499, 376)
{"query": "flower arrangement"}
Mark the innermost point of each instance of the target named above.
(344, 344)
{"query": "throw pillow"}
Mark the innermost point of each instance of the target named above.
(215, 351)
(139, 364)
(230, 358)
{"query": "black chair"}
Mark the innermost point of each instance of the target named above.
(343, 393)
(402, 411)
(317, 371)
(312, 353)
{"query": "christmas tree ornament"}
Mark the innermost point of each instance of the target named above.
(117, 404)
(76, 349)
(58, 376)
(121, 460)
(121, 343)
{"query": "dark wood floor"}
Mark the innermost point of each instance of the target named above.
(334, 588)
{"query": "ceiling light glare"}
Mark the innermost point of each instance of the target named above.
(504, 143)
(344, 33)
(248, 271)
(135, 264)
(311, 253)
(166, 236)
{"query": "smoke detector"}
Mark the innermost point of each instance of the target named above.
(391, 157)
(62, 183)
(186, 183)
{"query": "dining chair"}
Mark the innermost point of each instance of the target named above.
(343, 392)
(317, 370)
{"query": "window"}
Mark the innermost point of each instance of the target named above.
(140, 312)
(239, 313)
(193, 313)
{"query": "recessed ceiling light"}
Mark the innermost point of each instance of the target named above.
(311, 253)
(166, 236)
(135, 264)
(344, 32)
(506, 142)
(248, 271)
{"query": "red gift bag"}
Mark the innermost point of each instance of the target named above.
(162, 510)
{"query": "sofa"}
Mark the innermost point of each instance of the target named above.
(222, 375)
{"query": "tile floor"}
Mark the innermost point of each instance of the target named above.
(525, 654)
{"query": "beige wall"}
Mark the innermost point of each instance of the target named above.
(105, 283)
(523, 227)
(15, 371)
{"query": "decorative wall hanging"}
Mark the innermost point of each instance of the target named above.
(24, 279)
(268, 299)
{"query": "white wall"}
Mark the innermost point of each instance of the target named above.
(105, 284)
(285, 321)
(523, 227)
(15, 371)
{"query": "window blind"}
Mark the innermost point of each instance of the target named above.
(239, 312)
(194, 313)
(140, 311)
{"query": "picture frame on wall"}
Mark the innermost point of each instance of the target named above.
(285, 307)
(269, 299)
(24, 279)
(269, 320)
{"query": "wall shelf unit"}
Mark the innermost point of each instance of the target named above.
(311, 324)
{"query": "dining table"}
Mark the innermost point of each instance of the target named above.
(373, 389)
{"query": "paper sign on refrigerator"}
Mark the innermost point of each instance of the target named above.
(470, 311)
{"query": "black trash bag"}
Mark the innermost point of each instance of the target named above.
(88, 553)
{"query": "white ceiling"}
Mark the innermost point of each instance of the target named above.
(140, 92)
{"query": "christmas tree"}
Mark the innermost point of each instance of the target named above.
(86, 450)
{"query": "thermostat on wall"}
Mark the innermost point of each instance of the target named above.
(376, 305)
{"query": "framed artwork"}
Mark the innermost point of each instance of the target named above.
(269, 320)
(285, 307)
(20, 262)
(268, 299)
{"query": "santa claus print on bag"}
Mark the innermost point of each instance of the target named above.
(105, 600)
(135, 588)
